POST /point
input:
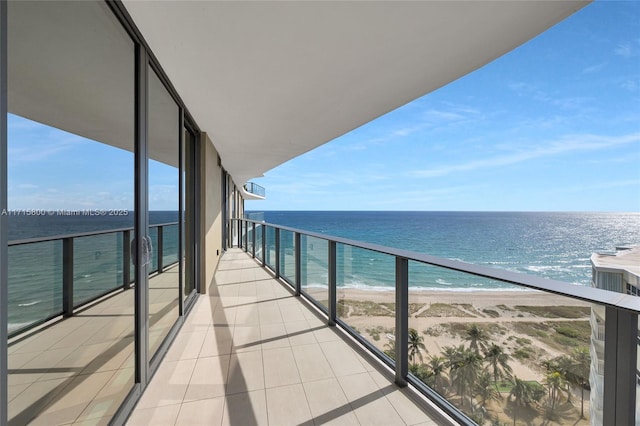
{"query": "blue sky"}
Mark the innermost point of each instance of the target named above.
(552, 126)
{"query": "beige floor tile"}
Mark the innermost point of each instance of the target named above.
(246, 338)
(246, 372)
(169, 384)
(342, 358)
(218, 341)
(274, 336)
(246, 409)
(404, 406)
(279, 367)
(299, 333)
(328, 403)
(156, 416)
(311, 362)
(269, 313)
(368, 402)
(287, 405)
(187, 345)
(209, 378)
(206, 412)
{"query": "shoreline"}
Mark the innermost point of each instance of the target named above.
(478, 298)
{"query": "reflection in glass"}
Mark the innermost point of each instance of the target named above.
(366, 295)
(71, 141)
(314, 277)
(270, 247)
(97, 266)
(287, 256)
(164, 204)
(35, 283)
(258, 232)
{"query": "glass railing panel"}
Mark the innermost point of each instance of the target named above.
(153, 234)
(288, 256)
(35, 283)
(314, 277)
(366, 295)
(97, 266)
(169, 245)
(498, 352)
(249, 237)
(259, 253)
(270, 247)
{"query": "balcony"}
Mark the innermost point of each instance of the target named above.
(254, 191)
(537, 323)
(251, 352)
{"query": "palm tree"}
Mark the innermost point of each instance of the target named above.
(416, 345)
(524, 394)
(579, 369)
(391, 348)
(497, 363)
(555, 383)
(485, 389)
(477, 338)
(437, 378)
(464, 368)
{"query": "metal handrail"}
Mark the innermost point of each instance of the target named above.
(561, 288)
(81, 234)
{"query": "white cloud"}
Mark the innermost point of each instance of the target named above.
(594, 68)
(573, 143)
(624, 50)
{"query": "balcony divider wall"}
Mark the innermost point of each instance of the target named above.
(105, 103)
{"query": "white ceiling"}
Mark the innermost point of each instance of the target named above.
(270, 80)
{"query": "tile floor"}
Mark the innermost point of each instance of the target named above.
(250, 353)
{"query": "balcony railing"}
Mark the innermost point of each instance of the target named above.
(255, 189)
(53, 276)
(331, 271)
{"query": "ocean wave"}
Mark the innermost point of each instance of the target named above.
(35, 302)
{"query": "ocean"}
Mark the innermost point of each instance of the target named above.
(554, 245)
(550, 245)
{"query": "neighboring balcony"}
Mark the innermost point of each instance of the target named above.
(253, 191)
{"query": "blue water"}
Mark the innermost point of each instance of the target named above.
(35, 270)
(550, 245)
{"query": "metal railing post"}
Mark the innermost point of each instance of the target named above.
(402, 321)
(297, 250)
(620, 368)
(332, 283)
(67, 277)
(160, 248)
(126, 259)
(253, 239)
(277, 265)
(263, 244)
